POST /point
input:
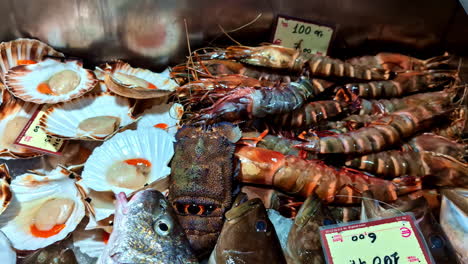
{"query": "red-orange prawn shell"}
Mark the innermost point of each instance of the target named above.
(301, 177)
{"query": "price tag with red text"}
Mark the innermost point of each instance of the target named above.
(394, 240)
(303, 35)
(33, 137)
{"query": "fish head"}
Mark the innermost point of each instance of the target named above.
(145, 230)
(248, 236)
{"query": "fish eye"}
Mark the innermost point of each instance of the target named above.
(328, 221)
(436, 241)
(162, 227)
(261, 226)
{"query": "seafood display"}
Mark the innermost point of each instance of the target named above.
(237, 155)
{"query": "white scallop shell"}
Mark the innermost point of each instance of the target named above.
(99, 204)
(9, 110)
(23, 80)
(5, 191)
(154, 145)
(23, 49)
(164, 85)
(90, 242)
(30, 191)
(169, 114)
(62, 120)
(7, 254)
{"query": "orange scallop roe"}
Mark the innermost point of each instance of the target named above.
(48, 233)
(152, 86)
(161, 126)
(105, 237)
(25, 62)
(136, 162)
(44, 88)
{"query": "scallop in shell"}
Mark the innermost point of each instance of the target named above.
(5, 192)
(23, 51)
(7, 254)
(164, 116)
(90, 117)
(129, 161)
(137, 83)
(50, 81)
(45, 209)
(14, 115)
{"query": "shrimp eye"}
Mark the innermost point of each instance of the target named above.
(437, 241)
(328, 221)
(261, 226)
(163, 227)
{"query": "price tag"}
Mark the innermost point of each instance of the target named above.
(32, 136)
(299, 34)
(394, 240)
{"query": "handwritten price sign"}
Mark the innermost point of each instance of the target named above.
(386, 241)
(303, 35)
(35, 138)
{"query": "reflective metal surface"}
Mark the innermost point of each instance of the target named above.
(152, 32)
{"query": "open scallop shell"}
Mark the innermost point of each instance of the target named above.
(63, 119)
(31, 191)
(7, 254)
(23, 81)
(137, 83)
(153, 145)
(90, 242)
(14, 115)
(5, 192)
(164, 116)
(12, 53)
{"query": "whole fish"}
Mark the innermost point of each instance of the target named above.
(304, 244)
(146, 231)
(247, 236)
(438, 243)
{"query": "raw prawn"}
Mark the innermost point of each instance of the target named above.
(248, 102)
(211, 68)
(384, 132)
(404, 83)
(301, 177)
(385, 106)
(275, 143)
(398, 62)
(278, 57)
(457, 128)
(438, 144)
(212, 89)
(313, 113)
(434, 168)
